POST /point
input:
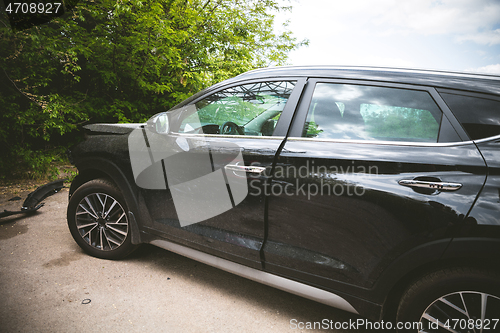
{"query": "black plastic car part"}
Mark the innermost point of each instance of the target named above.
(32, 202)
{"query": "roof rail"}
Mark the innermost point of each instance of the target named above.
(384, 69)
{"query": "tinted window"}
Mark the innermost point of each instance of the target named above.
(357, 112)
(251, 109)
(480, 117)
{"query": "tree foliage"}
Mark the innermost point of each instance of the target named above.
(392, 122)
(109, 61)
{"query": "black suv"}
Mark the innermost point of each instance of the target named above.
(373, 190)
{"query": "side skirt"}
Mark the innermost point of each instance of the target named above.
(275, 281)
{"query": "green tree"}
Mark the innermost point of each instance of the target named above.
(110, 61)
(393, 122)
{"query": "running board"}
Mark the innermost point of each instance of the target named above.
(272, 280)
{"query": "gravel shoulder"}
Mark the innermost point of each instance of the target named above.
(45, 281)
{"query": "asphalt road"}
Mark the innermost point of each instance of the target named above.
(47, 284)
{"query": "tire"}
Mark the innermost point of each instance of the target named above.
(98, 220)
(457, 297)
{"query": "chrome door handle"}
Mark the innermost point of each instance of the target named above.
(443, 186)
(245, 168)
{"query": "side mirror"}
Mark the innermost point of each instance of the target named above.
(159, 123)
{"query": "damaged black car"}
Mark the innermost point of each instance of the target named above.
(373, 190)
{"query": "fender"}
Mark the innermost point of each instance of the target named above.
(465, 251)
(420, 256)
(476, 249)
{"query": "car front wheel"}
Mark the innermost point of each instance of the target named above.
(98, 220)
(456, 300)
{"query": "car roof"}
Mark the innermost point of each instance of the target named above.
(485, 83)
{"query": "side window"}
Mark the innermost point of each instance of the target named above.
(357, 112)
(250, 109)
(480, 117)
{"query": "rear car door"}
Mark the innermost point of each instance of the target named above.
(370, 172)
(203, 197)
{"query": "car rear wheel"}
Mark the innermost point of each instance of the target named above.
(98, 220)
(456, 300)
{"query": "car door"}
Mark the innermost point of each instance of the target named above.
(371, 171)
(210, 197)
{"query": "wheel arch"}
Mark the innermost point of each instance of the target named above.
(94, 168)
(462, 252)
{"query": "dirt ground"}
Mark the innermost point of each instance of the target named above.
(47, 284)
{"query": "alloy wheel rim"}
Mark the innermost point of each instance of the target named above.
(101, 221)
(462, 312)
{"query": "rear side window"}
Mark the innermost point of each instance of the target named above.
(480, 117)
(358, 112)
